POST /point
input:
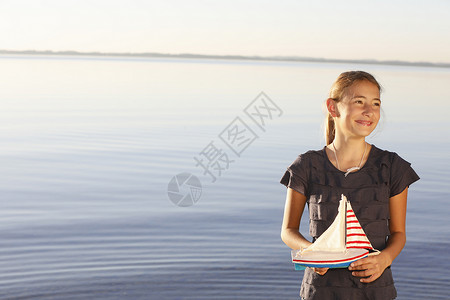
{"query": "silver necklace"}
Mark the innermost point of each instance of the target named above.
(352, 168)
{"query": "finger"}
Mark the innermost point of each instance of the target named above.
(320, 271)
(362, 261)
(362, 265)
(371, 278)
(365, 273)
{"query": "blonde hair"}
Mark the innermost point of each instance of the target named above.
(337, 93)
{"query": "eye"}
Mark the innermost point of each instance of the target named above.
(377, 103)
(358, 101)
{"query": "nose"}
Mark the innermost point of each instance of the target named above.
(368, 110)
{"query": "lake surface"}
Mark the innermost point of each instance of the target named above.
(89, 146)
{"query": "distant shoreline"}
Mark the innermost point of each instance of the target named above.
(231, 57)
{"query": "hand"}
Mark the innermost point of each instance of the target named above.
(320, 271)
(370, 267)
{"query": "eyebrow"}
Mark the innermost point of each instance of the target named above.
(357, 96)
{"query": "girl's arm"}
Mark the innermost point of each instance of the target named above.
(290, 234)
(374, 266)
(293, 210)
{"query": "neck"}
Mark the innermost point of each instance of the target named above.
(347, 154)
(349, 149)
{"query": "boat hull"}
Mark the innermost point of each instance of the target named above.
(325, 259)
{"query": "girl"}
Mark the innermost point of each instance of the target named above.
(375, 181)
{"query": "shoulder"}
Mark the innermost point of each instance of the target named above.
(399, 173)
(306, 160)
(388, 157)
(308, 156)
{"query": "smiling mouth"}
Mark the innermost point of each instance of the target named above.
(365, 123)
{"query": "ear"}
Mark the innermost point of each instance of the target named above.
(332, 107)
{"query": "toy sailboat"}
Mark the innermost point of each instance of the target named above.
(341, 244)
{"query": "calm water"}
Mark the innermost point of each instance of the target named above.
(89, 145)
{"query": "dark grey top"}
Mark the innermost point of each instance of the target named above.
(384, 175)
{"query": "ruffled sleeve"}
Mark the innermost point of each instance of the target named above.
(296, 176)
(402, 175)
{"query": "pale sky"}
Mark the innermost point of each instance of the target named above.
(407, 30)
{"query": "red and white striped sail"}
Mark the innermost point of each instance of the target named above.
(355, 237)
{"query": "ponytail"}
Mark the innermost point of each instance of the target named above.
(329, 129)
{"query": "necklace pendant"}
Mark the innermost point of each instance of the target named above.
(350, 170)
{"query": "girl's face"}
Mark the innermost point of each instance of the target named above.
(358, 112)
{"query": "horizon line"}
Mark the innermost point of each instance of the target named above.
(230, 57)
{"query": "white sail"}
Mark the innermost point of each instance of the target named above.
(333, 239)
